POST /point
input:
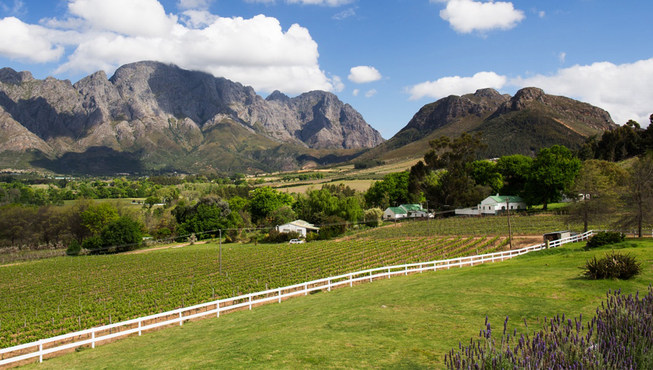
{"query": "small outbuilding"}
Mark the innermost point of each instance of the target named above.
(556, 235)
(299, 226)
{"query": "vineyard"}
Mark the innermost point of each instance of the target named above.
(58, 295)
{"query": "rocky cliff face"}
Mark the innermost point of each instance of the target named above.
(161, 110)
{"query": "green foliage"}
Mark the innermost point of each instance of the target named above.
(369, 163)
(316, 206)
(615, 145)
(604, 238)
(392, 190)
(552, 174)
(123, 234)
(595, 191)
(93, 244)
(613, 266)
(280, 216)
(97, 216)
(487, 173)
(638, 196)
(275, 236)
(265, 200)
(373, 217)
(205, 218)
(74, 248)
(515, 170)
(332, 227)
(456, 186)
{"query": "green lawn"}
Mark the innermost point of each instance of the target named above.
(403, 322)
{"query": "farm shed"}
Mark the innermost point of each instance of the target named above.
(556, 235)
(299, 226)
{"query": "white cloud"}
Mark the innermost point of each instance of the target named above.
(194, 4)
(332, 3)
(466, 16)
(320, 2)
(347, 13)
(562, 57)
(255, 51)
(541, 14)
(364, 74)
(17, 8)
(456, 85)
(370, 93)
(338, 86)
(624, 90)
(134, 18)
(27, 42)
(355, 92)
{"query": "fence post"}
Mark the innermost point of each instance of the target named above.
(305, 289)
(181, 321)
(388, 273)
(93, 338)
(406, 271)
(217, 308)
(139, 328)
(250, 301)
(329, 289)
(370, 276)
(40, 351)
(351, 280)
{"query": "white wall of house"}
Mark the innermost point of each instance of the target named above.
(286, 228)
(388, 214)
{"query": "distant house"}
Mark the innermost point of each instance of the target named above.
(494, 205)
(298, 226)
(405, 211)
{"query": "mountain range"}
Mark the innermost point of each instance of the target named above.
(153, 117)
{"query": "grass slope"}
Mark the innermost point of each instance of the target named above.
(405, 322)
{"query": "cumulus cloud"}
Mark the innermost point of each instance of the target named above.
(624, 90)
(194, 4)
(103, 35)
(456, 85)
(27, 42)
(16, 8)
(355, 92)
(332, 3)
(467, 16)
(364, 74)
(562, 56)
(370, 93)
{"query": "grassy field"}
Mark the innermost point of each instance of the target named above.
(404, 322)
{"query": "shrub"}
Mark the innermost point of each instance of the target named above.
(276, 237)
(619, 336)
(74, 248)
(604, 238)
(93, 244)
(612, 266)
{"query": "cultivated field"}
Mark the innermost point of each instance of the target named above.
(403, 322)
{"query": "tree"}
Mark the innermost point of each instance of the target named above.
(552, 174)
(595, 191)
(455, 187)
(96, 216)
(391, 190)
(207, 216)
(639, 195)
(373, 217)
(514, 170)
(265, 200)
(486, 173)
(124, 234)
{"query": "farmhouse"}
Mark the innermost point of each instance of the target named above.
(494, 205)
(298, 226)
(405, 211)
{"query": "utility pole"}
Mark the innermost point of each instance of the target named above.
(509, 225)
(220, 251)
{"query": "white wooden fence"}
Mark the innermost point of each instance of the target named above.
(51, 346)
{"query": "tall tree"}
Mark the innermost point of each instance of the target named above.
(595, 191)
(639, 195)
(515, 170)
(265, 200)
(552, 174)
(391, 191)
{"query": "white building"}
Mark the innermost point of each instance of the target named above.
(299, 226)
(494, 205)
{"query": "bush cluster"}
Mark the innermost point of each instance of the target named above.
(612, 266)
(619, 336)
(604, 238)
(275, 236)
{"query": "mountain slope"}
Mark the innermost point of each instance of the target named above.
(167, 118)
(522, 124)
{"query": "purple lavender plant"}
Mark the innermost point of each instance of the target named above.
(619, 336)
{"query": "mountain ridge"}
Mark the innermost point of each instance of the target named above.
(169, 114)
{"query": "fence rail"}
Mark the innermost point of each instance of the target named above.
(50, 346)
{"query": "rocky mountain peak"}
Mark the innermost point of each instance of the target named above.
(278, 96)
(9, 76)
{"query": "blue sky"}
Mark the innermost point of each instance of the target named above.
(386, 58)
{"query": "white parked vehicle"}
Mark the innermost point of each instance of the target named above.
(296, 241)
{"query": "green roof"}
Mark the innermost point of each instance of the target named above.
(504, 198)
(398, 210)
(412, 207)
